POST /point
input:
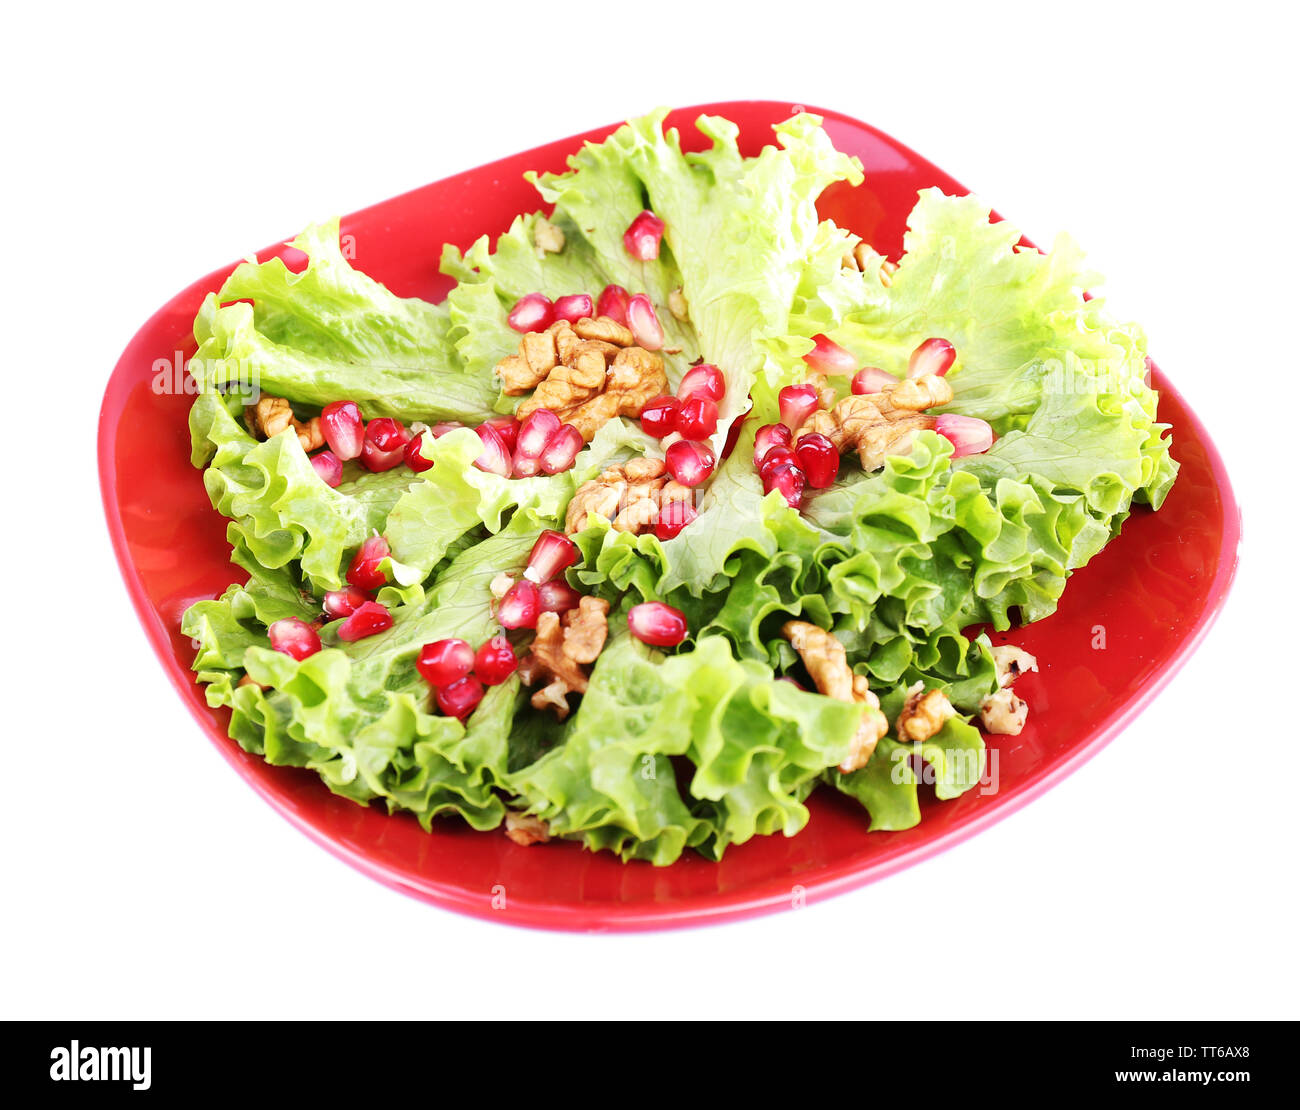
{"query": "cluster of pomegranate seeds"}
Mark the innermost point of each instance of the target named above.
(343, 603)
(328, 468)
(539, 445)
(693, 416)
(653, 622)
(643, 236)
(294, 638)
(365, 620)
(364, 571)
(613, 302)
(535, 312)
(458, 673)
(828, 357)
(552, 554)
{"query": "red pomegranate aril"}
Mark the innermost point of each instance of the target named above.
(552, 553)
(778, 455)
(495, 661)
(495, 459)
(385, 444)
(733, 436)
(969, 435)
(520, 606)
(343, 603)
(659, 417)
(507, 428)
(828, 357)
(789, 481)
(798, 402)
(344, 429)
(557, 596)
(367, 620)
(532, 313)
(613, 303)
(644, 323)
(328, 468)
(443, 662)
(461, 698)
(689, 463)
(653, 622)
(871, 379)
(561, 450)
(414, 458)
(363, 571)
(535, 432)
(705, 380)
(294, 638)
(818, 459)
(769, 436)
(697, 418)
(444, 426)
(643, 236)
(934, 356)
(673, 517)
(522, 466)
(574, 307)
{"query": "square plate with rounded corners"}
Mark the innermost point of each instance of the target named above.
(1155, 590)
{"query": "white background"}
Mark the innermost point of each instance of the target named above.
(142, 878)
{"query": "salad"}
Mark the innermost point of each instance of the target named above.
(683, 504)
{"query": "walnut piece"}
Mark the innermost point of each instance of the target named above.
(560, 648)
(1012, 662)
(1004, 713)
(827, 664)
(525, 829)
(630, 497)
(271, 415)
(859, 258)
(547, 238)
(587, 373)
(923, 714)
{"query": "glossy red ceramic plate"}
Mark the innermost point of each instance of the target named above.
(1154, 591)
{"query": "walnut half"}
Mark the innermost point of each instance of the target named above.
(560, 648)
(924, 714)
(628, 496)
(272, 415)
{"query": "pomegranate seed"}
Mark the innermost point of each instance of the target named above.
(385, 444)
(613, 303)
(535, 432)
(574, 307)
(789, 481)
(659, 417)
(520, 606)
(644, 323)
(461, 698)
(689, 463)
(294, 638)
(532, 313)
(557, 596)
(798, 402)
(524, 467)
(552, 553)
(673, 517)
(413, 457)
(343, 603)
(363, 571)
(828, 357)
(327, 466)
(562, 449)
(367, 620)
(778, 455)
(343, 428)
(697, 418)
(733, 435)
(769, 436)
(444, 661)
(871, 379)
(495, 661)
(653, 622)
(934, 356)
(643, 235)
(443, 427)
(818, 459)
(507, 428)
(969, 435)
(704, 380)
(495, 459)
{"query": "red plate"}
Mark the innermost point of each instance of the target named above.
(1154, 591)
